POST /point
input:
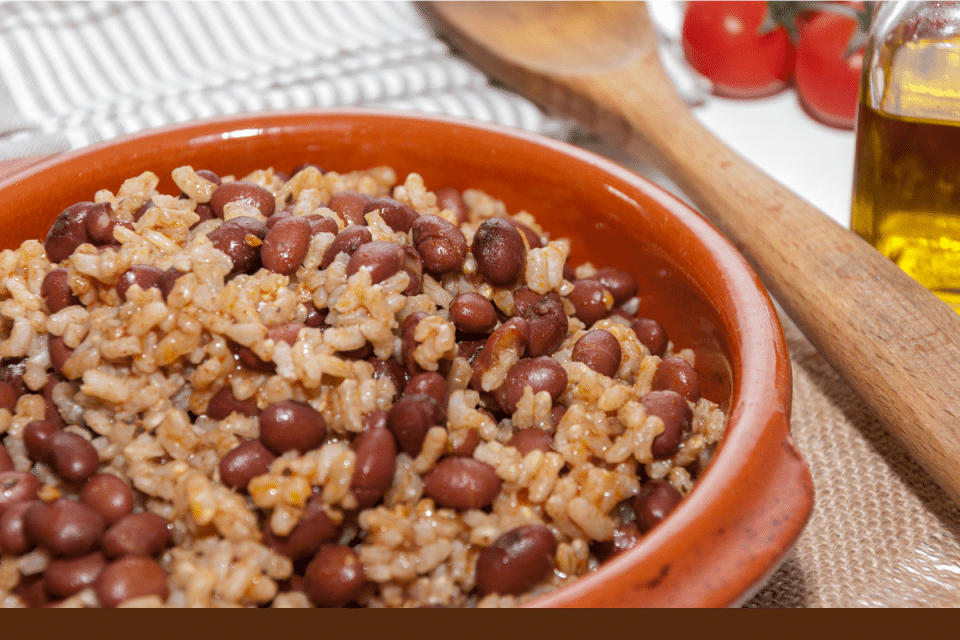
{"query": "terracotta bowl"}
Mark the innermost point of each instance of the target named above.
(750, 505)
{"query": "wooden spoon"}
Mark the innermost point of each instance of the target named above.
(896, 343)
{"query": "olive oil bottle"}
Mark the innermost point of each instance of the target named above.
(907, 172)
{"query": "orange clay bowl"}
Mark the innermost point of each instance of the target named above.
(736, 526)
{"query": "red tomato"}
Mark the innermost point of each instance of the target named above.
(804, 16)
(724, 43)
(827, 81)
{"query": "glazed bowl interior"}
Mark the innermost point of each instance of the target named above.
(750, 504)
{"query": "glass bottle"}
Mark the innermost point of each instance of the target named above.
(906, 199)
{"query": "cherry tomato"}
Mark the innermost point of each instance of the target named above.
(725, 43)
(805, 15)
(826, 79)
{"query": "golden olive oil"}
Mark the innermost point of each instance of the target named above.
(907, 174)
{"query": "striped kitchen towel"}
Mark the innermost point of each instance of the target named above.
(74, 73)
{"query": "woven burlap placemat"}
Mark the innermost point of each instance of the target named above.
(881, 533)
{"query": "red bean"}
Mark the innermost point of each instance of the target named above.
(209, 176)
(335, 577)
(17, 486)
(321, 224)
(245, 462)
(108, 495)
(30, 590)
(599, 350)
(51, 413)
(676, 374)
(462, 483)
(68, 231)
(100, 224)
(223, 403)
(246, 192)
(399, 216)
(531, 439)
(382, 259)
(142, 275)
(287, 332)
(513, 335)
(144, 534)
(73, 457)
(389, 370)
(64, 526)
(8, 401)
(350, 206)
(440, 244)
(131, 577)
(204, 212)
(654, 502)
(428, 383)
(525, 300)
(6, 462)
(557, 413)
(315, 317)
(468, 445)
(168, 281)
(547, 318)
(499, 251)
(240, 239)
(36, 438)
(450, 198)
(676, 414)
(472, 313)
(619, 283)
(67, 576)
(470, 349)
(278, 216)
(59, 352)
(540, 374)
(13, 533)
(250, 359)
(516, 561)
(56, 291)
(591, 300)
(410, 418)
(360, 353)
(290, 425)
(285, 245)
(314, 529)
(533, 238)
(413, 266)
(347, 241)
(11, 372)
(408, 342)
(652, 334)
(626, 536)
(376, 453)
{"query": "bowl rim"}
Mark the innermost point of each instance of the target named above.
(783, 509)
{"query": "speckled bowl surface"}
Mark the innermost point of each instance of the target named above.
(752, 502)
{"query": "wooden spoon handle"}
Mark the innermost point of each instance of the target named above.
(891, 339)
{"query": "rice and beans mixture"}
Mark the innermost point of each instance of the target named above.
(325, 389)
